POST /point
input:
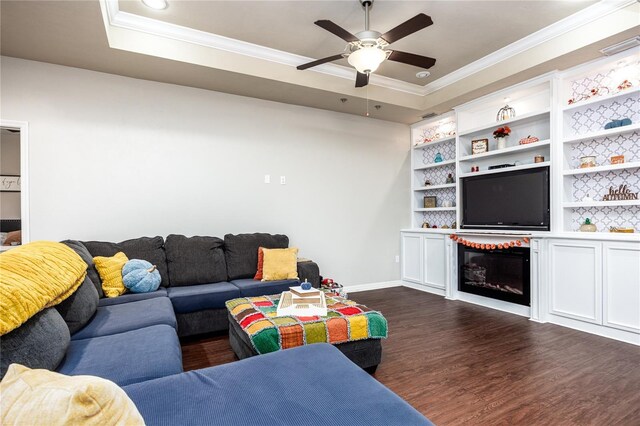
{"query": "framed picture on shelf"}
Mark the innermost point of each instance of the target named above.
(478, 146)
(9, 183)
(429, 201)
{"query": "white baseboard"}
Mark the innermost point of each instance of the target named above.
(371, 286)
(426, 289)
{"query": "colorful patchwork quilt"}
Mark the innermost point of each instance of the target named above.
(345, 321)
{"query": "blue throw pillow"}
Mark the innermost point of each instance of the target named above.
(140, 276)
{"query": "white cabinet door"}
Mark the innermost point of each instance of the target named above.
(576, 280)
(412, 257)
(622, 286)
(435, 267)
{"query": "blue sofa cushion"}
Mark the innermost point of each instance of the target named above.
(250, 288)
(128, 316)
(202, 296)
(132, 297)
(125, 358)
(307, 385)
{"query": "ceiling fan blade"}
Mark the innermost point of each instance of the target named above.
(412, 59)
(336, 29)
(319, 62)
(414, 24)
(362, 79)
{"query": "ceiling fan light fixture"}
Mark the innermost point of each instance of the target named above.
(156, 4)
(367, 59)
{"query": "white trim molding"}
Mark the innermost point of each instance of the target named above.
(371, 286)
(23, 126)
(128, 21)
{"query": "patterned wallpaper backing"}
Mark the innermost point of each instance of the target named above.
(439, 218)
(596, 185)
(436, 131)
(447, 150)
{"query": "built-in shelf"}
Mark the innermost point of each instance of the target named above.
(602, 99)
(511, 121)
(436, 209)
(431, 187)
(431, 165)
(599, 169)
(507, 169)
(578, 204)
(434, 142)
(519, 148)
(602, 133)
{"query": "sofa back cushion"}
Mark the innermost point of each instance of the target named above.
(78, 309)
(241, 252)
(147, 248)
(82, 251)
(41, 342)
(195, 260)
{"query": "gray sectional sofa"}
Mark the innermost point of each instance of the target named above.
(133, 341)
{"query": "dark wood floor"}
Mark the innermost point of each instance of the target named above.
(459, 363)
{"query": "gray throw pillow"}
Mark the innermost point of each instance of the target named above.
(92, 273)
(150, 249)
(78, 309)
(195, 260)
(241, 252)
(41, 342)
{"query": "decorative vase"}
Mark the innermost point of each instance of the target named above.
(587, 226)
(502, 142)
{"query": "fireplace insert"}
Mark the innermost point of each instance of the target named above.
(501, 274)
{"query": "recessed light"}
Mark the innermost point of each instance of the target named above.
(423, 74)
(156, 4)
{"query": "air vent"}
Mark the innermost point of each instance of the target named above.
(431, 114)
(621, 47)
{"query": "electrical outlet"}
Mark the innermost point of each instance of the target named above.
(283, 180)
(267, 178)
(397, 258)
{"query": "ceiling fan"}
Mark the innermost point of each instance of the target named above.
(367, 49)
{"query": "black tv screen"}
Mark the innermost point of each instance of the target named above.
(517, 200)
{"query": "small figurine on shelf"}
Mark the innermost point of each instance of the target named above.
(587, 198)
(475, 168)
(426, 225)
(434, 227)
(454, 225)
(450, 178)
(438, 158)
(587, 226)
(427, 182)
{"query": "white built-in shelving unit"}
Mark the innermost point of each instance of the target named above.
(429, 138)
(581, 125)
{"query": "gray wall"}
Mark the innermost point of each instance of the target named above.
(9, 165)
(115, 158)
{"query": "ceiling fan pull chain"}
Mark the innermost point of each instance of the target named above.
(367, 100)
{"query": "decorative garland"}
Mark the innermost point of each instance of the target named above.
(482, 246)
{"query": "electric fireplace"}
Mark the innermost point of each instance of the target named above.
(499, 274)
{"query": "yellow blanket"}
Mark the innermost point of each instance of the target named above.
(36, 276)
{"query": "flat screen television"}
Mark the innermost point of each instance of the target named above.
(517, 200)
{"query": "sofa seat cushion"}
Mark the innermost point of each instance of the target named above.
(241, 252)
(280, 388)
(150, 249)
(132, 297)
(202, 296)
(195, 260)
(125, 358)
(251, 288)
(128, 316)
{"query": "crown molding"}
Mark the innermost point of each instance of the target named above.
(129, 21)
(117, 18)
(571, 22)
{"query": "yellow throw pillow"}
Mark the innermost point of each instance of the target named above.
(42, 397)
(110, 270)
(280, 264)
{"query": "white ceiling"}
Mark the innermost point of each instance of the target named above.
(463, 31)
(465, 34)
